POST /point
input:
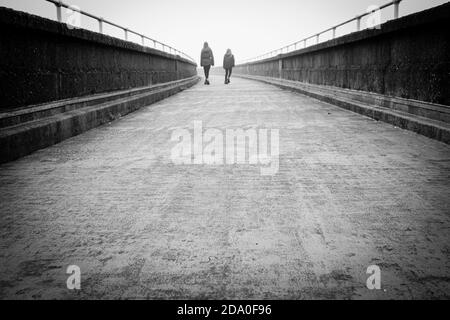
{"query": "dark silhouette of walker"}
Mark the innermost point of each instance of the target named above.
(228, 64)
(206, 60)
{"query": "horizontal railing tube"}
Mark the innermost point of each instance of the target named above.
(395, 3)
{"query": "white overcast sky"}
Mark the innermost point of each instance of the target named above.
(248, 27)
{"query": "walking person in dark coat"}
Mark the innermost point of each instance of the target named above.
(206, 60)
(228, 64)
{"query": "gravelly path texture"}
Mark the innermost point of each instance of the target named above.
(350, 192)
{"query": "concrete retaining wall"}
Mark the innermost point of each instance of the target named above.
(406, 58)
(42, 60)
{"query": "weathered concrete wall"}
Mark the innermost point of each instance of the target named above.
(407, 58)
(42, 60)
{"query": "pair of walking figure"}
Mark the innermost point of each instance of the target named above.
(207, 61)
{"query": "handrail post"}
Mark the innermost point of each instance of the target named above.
(58, 11)
(143, 41)
(126, 34)
(358, 23)
(317, 38)
(396, 9)
(100, 25)
(334, 33)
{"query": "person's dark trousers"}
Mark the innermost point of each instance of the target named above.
(228, 74)
(206, 69)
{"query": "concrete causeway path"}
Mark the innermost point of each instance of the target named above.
(350, 193)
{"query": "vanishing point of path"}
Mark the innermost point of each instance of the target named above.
(350, 192)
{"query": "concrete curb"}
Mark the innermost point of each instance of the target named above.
(22, 139)
(430, 128)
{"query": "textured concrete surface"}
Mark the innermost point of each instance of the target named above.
(430, 120)
(351, 192)
(46, 125)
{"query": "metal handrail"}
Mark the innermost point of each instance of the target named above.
(271, 54)
(59, 4)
